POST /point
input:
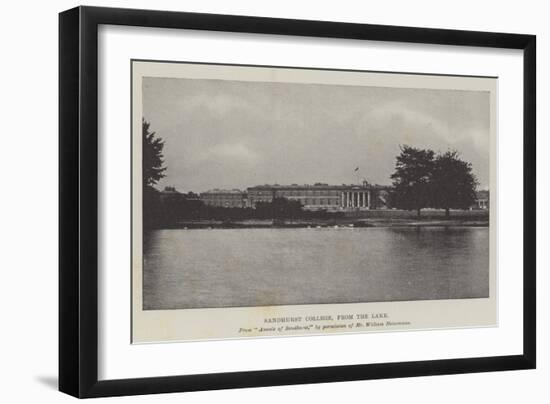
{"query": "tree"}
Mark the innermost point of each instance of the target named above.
(279, 208)
(153, 160)
(152, 171)
(453, 182)
(412, 178)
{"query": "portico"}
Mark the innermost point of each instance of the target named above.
(356, 199)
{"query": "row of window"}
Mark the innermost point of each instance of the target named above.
(302, 192)
(305, 201)
(321, 201)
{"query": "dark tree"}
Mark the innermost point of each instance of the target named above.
(453, 182)
(153, 160)
(153, 171)
(279, 208)
(412, 179)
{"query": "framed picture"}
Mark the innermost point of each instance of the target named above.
(251, 201)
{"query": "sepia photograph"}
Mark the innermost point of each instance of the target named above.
(289, 187)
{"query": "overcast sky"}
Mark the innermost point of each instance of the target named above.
(235, 134)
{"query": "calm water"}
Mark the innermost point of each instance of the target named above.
(259, 267)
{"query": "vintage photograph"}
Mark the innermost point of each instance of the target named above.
(290, 189)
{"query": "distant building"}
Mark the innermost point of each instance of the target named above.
(226, 198)
(323, 196)
(481, 201)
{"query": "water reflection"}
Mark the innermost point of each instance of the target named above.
(259, 267)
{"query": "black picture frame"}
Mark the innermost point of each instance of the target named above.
(78, 200)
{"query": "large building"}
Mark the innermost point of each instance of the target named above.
(225, 198)
(323, 196)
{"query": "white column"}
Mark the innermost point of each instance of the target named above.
(368, 199)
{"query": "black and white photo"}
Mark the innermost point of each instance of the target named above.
(289, 188)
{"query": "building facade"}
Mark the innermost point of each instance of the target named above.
(225, 198)
(482, 200)
(323, 196)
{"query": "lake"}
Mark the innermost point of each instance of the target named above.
(202, 268)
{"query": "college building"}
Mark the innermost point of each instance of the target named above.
(323, 196)
(225, 198)
(319, 196)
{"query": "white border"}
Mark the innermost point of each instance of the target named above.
(119, 359)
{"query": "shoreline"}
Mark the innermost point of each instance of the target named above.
(325, 223)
